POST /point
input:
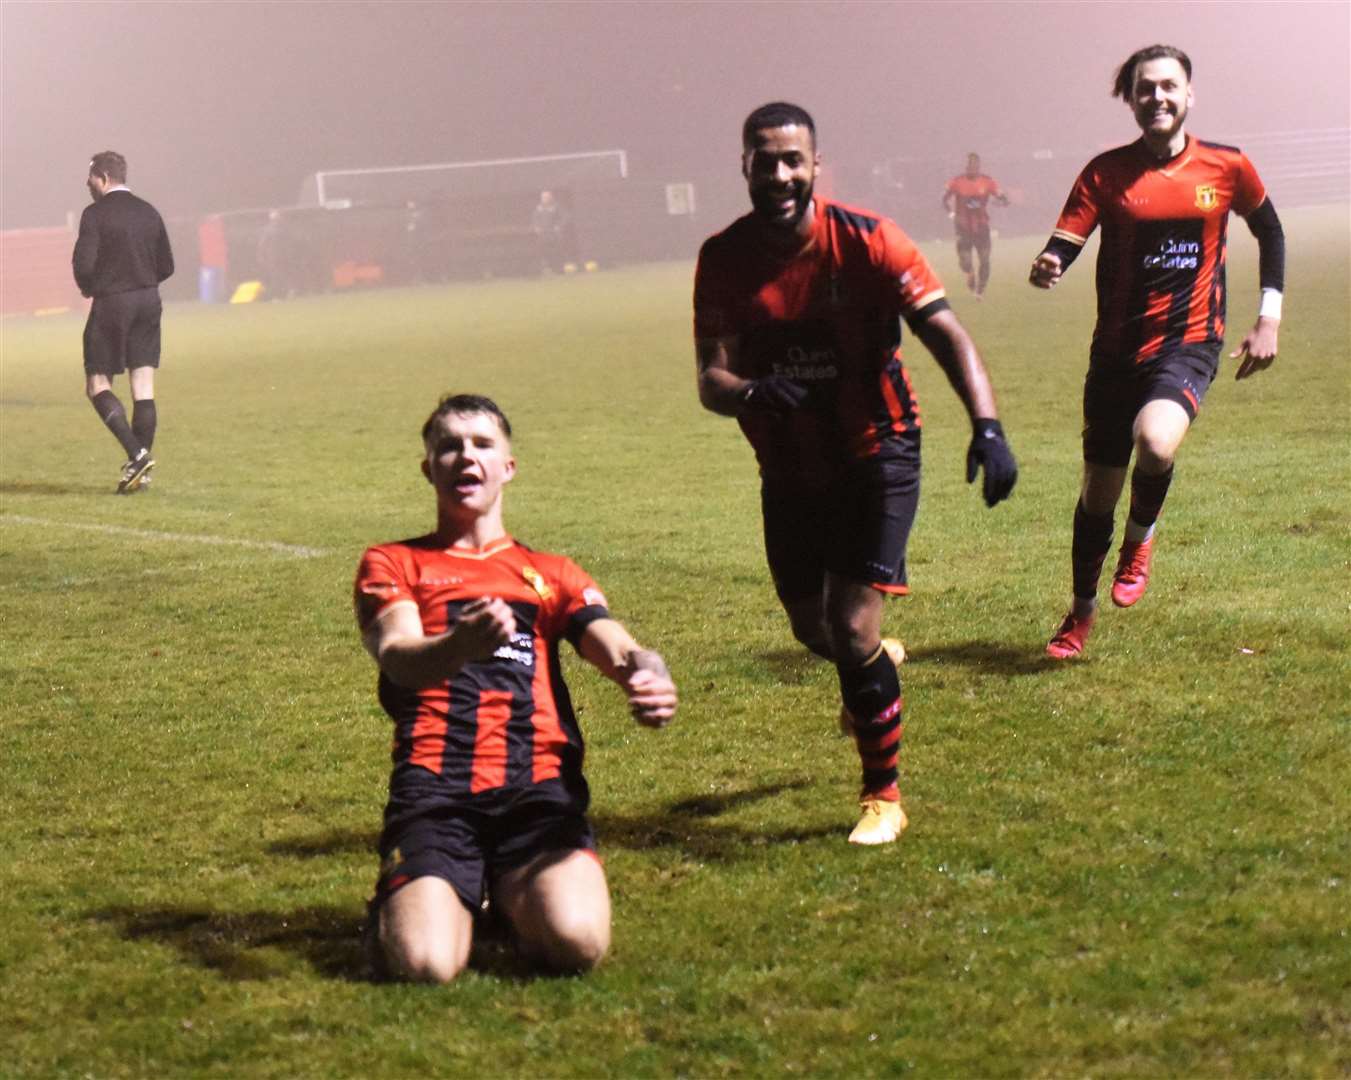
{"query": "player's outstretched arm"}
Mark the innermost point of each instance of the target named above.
(945, 337)
(641, 672)
(412, 659)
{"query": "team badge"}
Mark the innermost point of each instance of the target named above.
(1207, 198)
(392, 861)
(537, 582)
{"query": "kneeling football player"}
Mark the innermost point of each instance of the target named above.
(487, 794)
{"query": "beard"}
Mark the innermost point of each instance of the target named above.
(765, 205)
(1145, 120)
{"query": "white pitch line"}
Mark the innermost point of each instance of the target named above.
(297, 550)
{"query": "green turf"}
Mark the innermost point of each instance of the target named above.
(1132, 865)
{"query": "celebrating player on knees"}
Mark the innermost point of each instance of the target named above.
(797, 320)
(487, 796)
(1163, 204)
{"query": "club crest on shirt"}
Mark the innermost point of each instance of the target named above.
(537, 582)
(1207, 198)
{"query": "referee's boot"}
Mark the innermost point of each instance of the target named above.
(135, 472)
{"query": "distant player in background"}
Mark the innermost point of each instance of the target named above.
(121, 255)
(549, 222)
(966, 199)
(487, 796)
(797, 324)
(1163, 204)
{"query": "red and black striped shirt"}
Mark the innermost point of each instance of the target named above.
(502, 723)
(1160, 276)
(828, 317)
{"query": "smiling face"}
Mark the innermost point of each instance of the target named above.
(468, 461)
(1161, 95)
(780, 166)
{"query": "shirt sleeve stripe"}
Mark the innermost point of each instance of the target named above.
(1065, 234)
(928, 298)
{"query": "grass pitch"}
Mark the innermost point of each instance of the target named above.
(1132, 865)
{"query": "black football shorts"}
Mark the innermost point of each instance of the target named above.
(857, 527)
(471, 842)
(123, 331)
(1114, 394)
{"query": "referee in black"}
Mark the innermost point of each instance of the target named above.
(121, 256)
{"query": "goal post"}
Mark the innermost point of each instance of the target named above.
(344, 188)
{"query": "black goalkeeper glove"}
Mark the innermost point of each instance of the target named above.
(990, 450)
(774, 394)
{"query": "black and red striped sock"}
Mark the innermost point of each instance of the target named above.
(872, 694)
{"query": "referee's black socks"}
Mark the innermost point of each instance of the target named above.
(143, 420)
(114, 416)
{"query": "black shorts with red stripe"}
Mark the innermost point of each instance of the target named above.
(1114, 394)
(856, 528)
(470, 842)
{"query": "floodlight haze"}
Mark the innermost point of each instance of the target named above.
(230, 105)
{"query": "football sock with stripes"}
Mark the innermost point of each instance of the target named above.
(143, 420)
(1147, 495)
(1092, 541)
(872, 694)
(114, 416)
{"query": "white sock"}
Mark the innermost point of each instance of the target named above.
(1136, 533)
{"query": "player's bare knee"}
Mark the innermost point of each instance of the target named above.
(576, 942)
(416, 960)
(1154, 452)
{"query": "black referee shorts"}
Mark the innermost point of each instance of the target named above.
(123, 331)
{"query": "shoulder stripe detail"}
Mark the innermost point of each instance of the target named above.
(1073, 238)
(862, 222)
(1218, 146)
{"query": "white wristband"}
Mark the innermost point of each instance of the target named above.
(1270, 305)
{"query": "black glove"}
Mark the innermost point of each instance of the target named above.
(775, 394)
(990, 450)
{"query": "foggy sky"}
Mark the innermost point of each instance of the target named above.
(229, 105)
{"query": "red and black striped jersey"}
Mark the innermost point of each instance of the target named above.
(1160, 275)
(972, 195)
(829, 318)
(502, 723)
